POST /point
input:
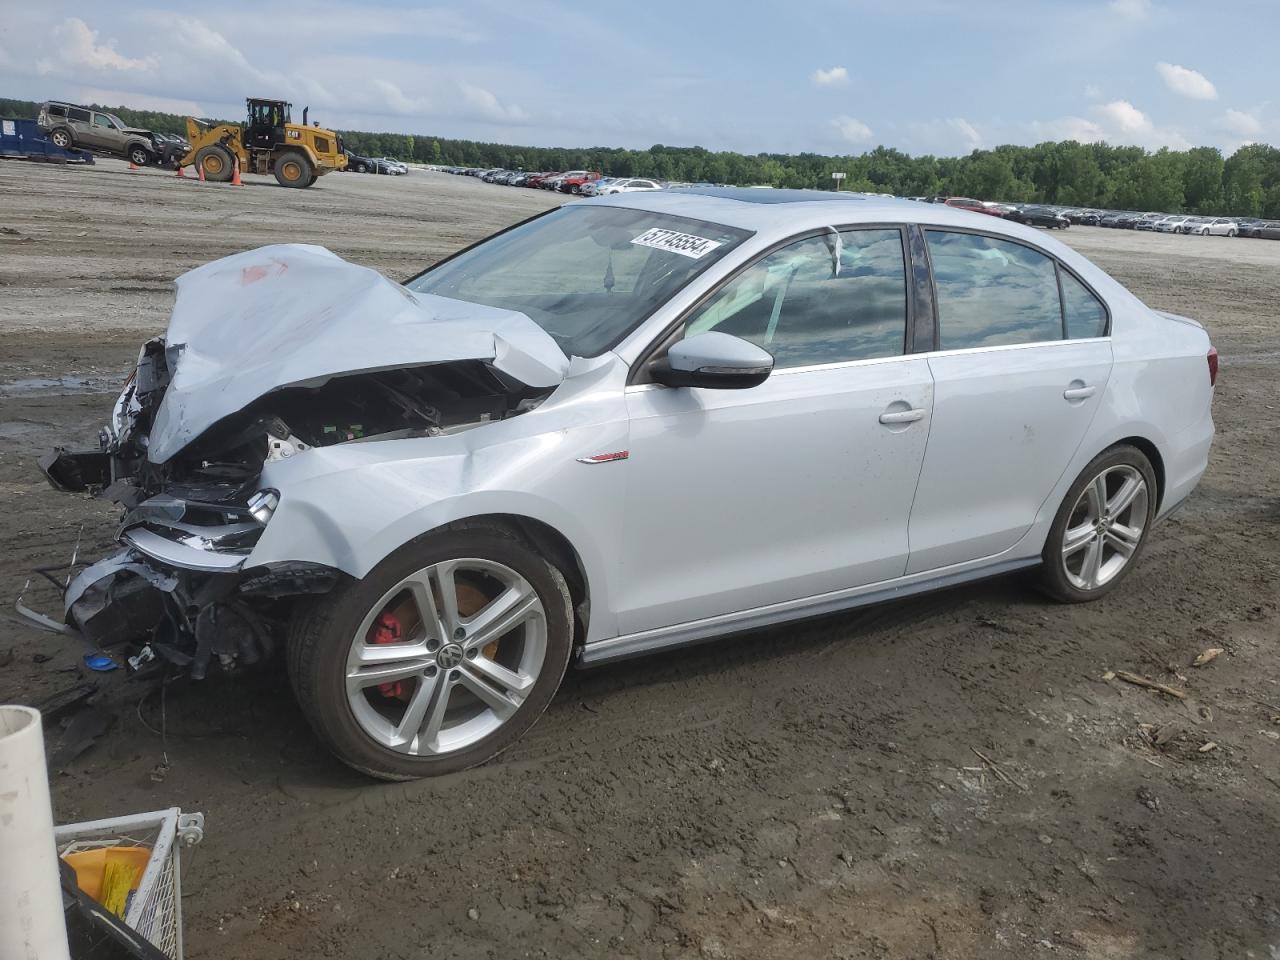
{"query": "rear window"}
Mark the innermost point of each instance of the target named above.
(992, 292)
(1084, 313)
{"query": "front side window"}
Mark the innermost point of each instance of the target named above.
(76, 114)
(586, 275)
(1085, 315)
(102, 120)
(818, 300)
(992, 292)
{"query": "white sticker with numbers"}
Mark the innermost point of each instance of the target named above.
(685, 244)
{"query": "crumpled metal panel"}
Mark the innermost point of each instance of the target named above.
(298, 315)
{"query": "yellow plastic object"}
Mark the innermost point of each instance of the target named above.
(110, 874)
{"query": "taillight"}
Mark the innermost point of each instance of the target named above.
(1213, 365)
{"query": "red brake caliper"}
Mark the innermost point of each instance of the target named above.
(387, 629)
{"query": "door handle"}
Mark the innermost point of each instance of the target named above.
(1079, 393)
(901, 416)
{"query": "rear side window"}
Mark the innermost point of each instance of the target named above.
(77, 114)
(1085, 315)
(818, 301)
(992, 292)
(57, 111)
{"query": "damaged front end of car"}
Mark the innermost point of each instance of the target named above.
(270, 355)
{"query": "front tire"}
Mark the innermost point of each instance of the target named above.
(140, 156)
(216, 161)
(439, 659)
(293, 169)
(1101, 526)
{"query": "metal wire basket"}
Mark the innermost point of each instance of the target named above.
(155, 908)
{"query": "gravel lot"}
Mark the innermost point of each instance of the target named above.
(813, 791)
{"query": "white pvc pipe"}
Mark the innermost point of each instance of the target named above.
(31, 921)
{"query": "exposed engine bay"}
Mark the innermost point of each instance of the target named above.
(181, 591)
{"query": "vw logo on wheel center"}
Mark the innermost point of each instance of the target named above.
(450, 656)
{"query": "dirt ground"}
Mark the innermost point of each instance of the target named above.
(949, 777)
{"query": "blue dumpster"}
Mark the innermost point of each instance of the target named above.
(24, 139)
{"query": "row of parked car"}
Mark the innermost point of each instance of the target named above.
(388, 165)
(1057, 217)
(585, 183)
(590, 183)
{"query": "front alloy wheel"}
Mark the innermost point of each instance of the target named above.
(446, 657)
(440, 658)
(1100, 527)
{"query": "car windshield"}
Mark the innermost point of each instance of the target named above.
(587, 275)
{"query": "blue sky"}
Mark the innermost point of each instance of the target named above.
(830, 76)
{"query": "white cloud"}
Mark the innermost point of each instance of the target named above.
(486, 104)
(1186, 82)
(77, 47)
(1068, 128)
(1242, 123)
(851, 130)
(1092, 91)
(1123, 116)
(835, 77)
(1131, 9)
(1122, 122)
(968, 133)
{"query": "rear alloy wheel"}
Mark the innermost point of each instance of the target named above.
(216, 161)
(293, 169)
(61, 138)
(441, 657)
(1101, 526)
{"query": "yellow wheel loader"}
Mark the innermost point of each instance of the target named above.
(268, 143)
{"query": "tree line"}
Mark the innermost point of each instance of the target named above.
(1198, 180)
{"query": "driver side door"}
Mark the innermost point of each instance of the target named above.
(803, 485)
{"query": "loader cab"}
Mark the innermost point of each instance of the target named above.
(267, 120)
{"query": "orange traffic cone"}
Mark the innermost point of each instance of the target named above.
(235, 173)
(180, 173)
(133, 166)
(200, 170)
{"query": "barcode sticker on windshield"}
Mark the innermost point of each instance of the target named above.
(685, 244)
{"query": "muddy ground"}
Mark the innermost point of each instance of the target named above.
(813, 791)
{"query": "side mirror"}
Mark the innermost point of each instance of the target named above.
(718, 361)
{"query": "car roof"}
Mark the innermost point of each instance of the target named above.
(770, 211)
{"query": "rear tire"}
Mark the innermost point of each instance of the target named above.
(62, 139)
(216, 161)
(1106, 513)
(359, 726)
(362, 168)
(293, 169)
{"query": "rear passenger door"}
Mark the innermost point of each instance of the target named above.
(1023, 359)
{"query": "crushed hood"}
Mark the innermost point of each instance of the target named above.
(299, 315)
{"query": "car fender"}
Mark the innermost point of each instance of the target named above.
(351, 505)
